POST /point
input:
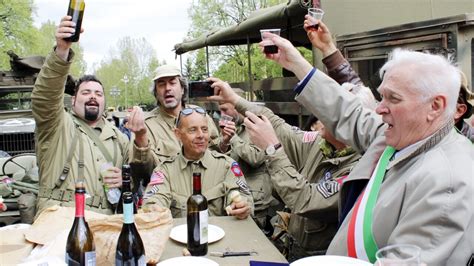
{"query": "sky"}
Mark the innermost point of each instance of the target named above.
(163, 23)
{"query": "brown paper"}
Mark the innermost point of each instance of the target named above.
(154, 229)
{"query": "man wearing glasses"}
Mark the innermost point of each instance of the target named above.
(154, 131)
(171, 182)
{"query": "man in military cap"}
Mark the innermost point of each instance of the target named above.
(74, 145)
(171, 182)
(154, 138)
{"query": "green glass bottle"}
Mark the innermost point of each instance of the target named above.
(80, 247)
(130, 250)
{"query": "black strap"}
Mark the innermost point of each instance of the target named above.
(67, 165)
(95, 138)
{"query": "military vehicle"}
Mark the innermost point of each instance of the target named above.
(18, 169)
(365, 32)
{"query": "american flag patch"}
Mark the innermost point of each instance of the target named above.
(309, 136)
(243, 187)
(157, 178)
(328, 188)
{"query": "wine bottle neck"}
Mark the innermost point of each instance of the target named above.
(196, 184)
(80, 199)
(126, 186)
(128, 213)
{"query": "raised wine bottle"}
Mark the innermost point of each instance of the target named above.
(130, 250)
(197, 219)
(80, 247)
(76, 11)
(126, 187)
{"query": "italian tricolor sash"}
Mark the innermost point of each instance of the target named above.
(360, 239)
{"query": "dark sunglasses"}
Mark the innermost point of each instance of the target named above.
(188, 111)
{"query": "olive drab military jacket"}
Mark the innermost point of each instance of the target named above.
(171, 183)
(162, 140)
(252, 162)
(55, 131)
(306, 180)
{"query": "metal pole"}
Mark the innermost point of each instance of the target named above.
(207, 61)
(250, 69)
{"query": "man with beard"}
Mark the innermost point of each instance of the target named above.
(171, 182)
(154, 138)
(74, 145)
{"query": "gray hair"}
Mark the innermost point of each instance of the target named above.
(434, 75)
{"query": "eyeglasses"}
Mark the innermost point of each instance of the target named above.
(188, 111)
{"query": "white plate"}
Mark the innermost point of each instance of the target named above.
(194, 261)
(330, 261)
(180, 233)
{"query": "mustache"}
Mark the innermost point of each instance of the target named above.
(92, 102)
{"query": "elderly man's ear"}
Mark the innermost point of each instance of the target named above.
(438, 106)
(177, 133)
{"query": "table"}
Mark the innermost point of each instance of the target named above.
(240, 235)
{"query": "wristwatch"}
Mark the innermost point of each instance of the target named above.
(270, 150)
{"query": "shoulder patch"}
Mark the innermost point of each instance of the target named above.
(243, 187)
(235, 168)
(310, 136)
(328, 188)
(152, 191)
(157, 177)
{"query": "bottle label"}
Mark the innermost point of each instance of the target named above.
(89, 259)
(203, 221)
(128, 213)
(119, 260)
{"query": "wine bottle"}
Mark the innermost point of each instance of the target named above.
(76, 11)
(197, 219)
(126, 187)
(130, 250)
(80, 247)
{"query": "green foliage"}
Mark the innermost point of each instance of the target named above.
(17, 33)
(136, 60)
(227, 62)
(16, 28)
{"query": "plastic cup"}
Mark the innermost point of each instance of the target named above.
(268, 46)
(224, 119)
(317, 15)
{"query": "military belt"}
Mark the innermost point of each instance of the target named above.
(68, 195)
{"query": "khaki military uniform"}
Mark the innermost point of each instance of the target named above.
(252, 162)
(171, 183)
(307, 178)
(162, 140)
(55, 131)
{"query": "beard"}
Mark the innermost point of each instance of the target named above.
(91, 115)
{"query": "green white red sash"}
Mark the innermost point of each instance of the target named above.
(360, 239)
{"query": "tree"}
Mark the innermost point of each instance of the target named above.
(136, 60)
(230, 62)
(17, 33)
(16, 28)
